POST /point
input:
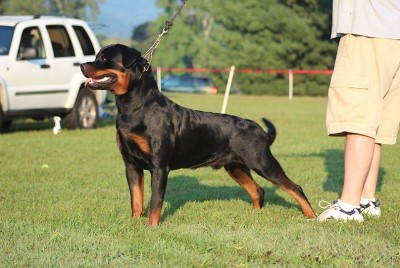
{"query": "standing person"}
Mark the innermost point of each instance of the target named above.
(364, 98)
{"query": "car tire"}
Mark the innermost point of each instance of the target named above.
(85, 113)
(4, 124)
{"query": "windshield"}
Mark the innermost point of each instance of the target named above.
(6, 33)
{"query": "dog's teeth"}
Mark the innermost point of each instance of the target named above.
(104, 79)
(91, 81)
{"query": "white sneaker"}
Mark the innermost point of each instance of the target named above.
(335, 212)
(372, 208)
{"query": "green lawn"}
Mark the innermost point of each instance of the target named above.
(64, 201)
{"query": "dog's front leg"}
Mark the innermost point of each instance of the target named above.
(158, 187)
(135, 180)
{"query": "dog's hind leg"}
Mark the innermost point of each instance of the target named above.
(241, 174)
(271, 170)
(135, 180)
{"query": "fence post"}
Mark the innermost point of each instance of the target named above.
(228, 89)
(290, 84)
(159, 78)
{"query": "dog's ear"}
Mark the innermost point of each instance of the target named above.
(130, 55)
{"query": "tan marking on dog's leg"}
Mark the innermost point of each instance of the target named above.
(304, 204)
(138, 198)
(243, 177)
(154, 217)
(295, 190)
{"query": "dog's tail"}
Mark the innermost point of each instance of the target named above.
(271, 130)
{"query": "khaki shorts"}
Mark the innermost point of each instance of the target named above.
(364, 93)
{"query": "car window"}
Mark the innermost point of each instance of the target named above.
(31, 45)
(84, 40)
(6, 34)
(201, 81)
(187, 81)
(172, 81)
(60, 41)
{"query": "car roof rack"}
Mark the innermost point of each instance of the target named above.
(38, 16)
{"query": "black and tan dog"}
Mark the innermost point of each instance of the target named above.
(156, 134)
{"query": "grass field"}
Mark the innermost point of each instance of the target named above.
(64, 201)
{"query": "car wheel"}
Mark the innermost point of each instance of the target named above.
(85, 112)
(4, 124)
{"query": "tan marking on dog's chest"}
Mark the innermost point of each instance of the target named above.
(139, 140)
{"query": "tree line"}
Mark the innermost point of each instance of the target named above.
(76, 8)
(251, 34)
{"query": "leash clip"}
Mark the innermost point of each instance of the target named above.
(168, 25)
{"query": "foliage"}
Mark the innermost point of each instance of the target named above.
(143, 35)
(67, 7)
(64, 201)
(250, 35)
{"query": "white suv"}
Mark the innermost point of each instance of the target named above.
(40, 75)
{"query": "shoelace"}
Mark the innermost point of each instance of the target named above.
(324, 204)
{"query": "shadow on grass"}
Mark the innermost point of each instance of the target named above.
(334, 165)
(185, 189)
(21, 125)
(47, 123)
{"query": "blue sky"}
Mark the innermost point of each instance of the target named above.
(121, 16)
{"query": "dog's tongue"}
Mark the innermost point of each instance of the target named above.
(89, 81)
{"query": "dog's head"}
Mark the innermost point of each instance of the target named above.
(115, 67)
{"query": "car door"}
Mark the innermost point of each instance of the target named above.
(29, 70)
(65, 62)
(187, 83)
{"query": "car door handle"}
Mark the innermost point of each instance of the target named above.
(45, 66)
(77, 64)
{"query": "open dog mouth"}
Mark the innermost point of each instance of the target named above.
(100, 82)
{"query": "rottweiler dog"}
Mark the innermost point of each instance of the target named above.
(156, 134)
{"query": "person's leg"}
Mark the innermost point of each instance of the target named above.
(358, 157)
(369, 204)
(372, 178)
